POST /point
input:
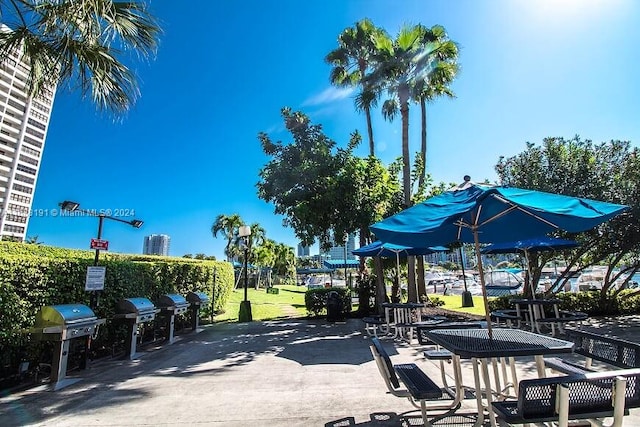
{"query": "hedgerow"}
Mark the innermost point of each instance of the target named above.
(33, 276)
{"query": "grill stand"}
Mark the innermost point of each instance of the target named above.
(195, 317)
(59, 378)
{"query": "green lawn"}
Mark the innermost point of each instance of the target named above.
(264, 306)
(454, 303)
(290, 302)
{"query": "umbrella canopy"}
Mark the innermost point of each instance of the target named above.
(529, 246)
(388, 250)
(493, 214)
(479, 213)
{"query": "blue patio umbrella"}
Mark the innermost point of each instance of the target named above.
(388, 250)
(528, 246)
(474, 213)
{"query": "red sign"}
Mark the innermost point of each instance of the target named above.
(100, 244)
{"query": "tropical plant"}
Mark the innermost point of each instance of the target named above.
(82, 43)
(351, 61)
(227, 225)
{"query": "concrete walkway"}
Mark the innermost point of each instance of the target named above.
(292, 372)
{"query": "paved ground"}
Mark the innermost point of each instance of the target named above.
(280, 373)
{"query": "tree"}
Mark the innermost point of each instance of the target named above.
(606, 171)
(228, 226)
(81, 43)
(299, 179)
(351, 61)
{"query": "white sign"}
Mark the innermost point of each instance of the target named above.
(95, 279)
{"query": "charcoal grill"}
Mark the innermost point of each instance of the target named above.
(197, 300)
(171, 305)
(135, 312)
(61, 324)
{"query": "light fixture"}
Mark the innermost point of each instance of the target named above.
(70, 206)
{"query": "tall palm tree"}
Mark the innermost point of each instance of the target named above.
(436, 85)
(351, 61)
(227, 225)
(404, 64)
(419, 62)
(81, 43)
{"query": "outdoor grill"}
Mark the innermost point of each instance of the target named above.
(61, 324)
(136, 312)
(197, 300)
(171, 305)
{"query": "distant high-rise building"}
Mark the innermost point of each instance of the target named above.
(337, 252)
(156, 244)
(303, 250)
(24, 121)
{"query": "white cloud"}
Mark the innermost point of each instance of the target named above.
(328, 95)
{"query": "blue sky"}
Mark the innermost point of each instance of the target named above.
(188, 151)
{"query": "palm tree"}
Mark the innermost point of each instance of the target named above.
(436, 85)
(418, 63)
(80, 43)
(351, 61)
(404, 64)
(228, 226)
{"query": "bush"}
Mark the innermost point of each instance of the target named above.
(34, 276)
(315, 300)
(591, 302)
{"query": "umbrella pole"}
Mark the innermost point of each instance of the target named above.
(487, 314)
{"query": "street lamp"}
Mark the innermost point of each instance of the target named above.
(244, 232)
(70, 206)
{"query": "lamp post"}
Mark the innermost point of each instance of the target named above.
(75, 207)
(244, 232)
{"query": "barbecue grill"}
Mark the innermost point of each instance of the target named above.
(61, 324)
(136, 312)
(197, 300)
(172, 305)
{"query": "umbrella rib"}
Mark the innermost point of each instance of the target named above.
(515, 207)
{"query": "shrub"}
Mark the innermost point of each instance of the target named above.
(315, 300)
(33, 276)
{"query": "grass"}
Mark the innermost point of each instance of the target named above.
(289, 302)
(264, 306)
(454, 303)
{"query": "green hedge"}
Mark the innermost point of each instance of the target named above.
(591, 302)
(32, 276)
(315, 300)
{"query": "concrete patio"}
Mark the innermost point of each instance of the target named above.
(293, 372)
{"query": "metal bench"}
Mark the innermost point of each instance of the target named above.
(372, 324)
(419, 387)
(612, 351)
(591, 396)
(563, 317)
(508, 316)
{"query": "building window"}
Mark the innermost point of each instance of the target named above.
(28, 159)
(20, 198)
(22, 188)
(26, 169)
(26, 179)
(13, 228)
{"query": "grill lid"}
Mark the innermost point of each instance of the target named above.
(197, 297)
(174, 300)
(135, 305)
(63, 314)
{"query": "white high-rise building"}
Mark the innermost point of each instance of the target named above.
(24, 122)
(337, 252)
(156, 244)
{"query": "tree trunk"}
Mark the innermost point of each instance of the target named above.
(412, 293)
(367, 112)
(406, 160)
(423, 141)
